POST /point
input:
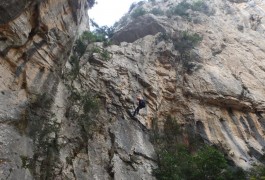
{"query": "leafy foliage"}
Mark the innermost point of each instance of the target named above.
(89, 37)
(257, 172)
(105, 54)
(85, 39)
(182, 8)
(138, 12)
(177, 161)
(207, 163)
(201, 6)
(186, 41)
(163, 37)
(104, 33)
(89, 108)
(79, 47)
(100, 34)
(90, 104)
(157, 11)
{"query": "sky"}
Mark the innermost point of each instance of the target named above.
(107, 12)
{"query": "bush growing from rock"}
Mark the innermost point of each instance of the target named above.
(157, 11)
(201, 6)
(179, 161)
(182, 9)
(138, 12)
(186, 41)
(257, 172)
(105, 54)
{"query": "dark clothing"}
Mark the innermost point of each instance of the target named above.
(140, 106)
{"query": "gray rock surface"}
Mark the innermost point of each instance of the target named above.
(47, 132)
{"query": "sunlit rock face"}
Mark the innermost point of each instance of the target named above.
(35, 41)
(217, 90)
(219, 93)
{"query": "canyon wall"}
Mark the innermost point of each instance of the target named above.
(63, 117)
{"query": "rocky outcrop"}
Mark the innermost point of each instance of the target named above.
(35, 41)
(217, 89)
(71, 119)
(139, 28)
(11, 9)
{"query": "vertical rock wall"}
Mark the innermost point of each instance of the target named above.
(35, 41)
(217, 90)
(47, 127)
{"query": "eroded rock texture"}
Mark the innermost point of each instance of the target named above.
(218, 89)
(35, 41)
(48, 128)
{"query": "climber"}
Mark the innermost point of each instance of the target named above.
(140, 105)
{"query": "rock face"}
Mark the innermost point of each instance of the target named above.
(35, 41)
(139, 28)
(217, 89)
(70, 119)
(220, 91)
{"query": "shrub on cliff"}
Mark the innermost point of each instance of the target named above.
(193, 160)
(157, 11)
(257, 172)
(182, 8)
(208, 163)
(201, 6)
(186, 41)
(89, 106)
(138, 12)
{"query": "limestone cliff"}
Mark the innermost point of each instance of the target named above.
(65, 116)
(35, 40)
(218, 89)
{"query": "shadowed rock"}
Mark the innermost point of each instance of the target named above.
(10, 9)
(140, 27)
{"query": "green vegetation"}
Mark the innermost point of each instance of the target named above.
(42, 127)
(157, 12)
(104, 33)
(182, 8)
(190, 160)
(101, 34)
(257, 172)
(26, 162)
(86, 115)
(138, 12)
(163, 37)
(200, 6)
(105, 54)
(186, 41)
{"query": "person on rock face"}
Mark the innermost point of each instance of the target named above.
(141, 105)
